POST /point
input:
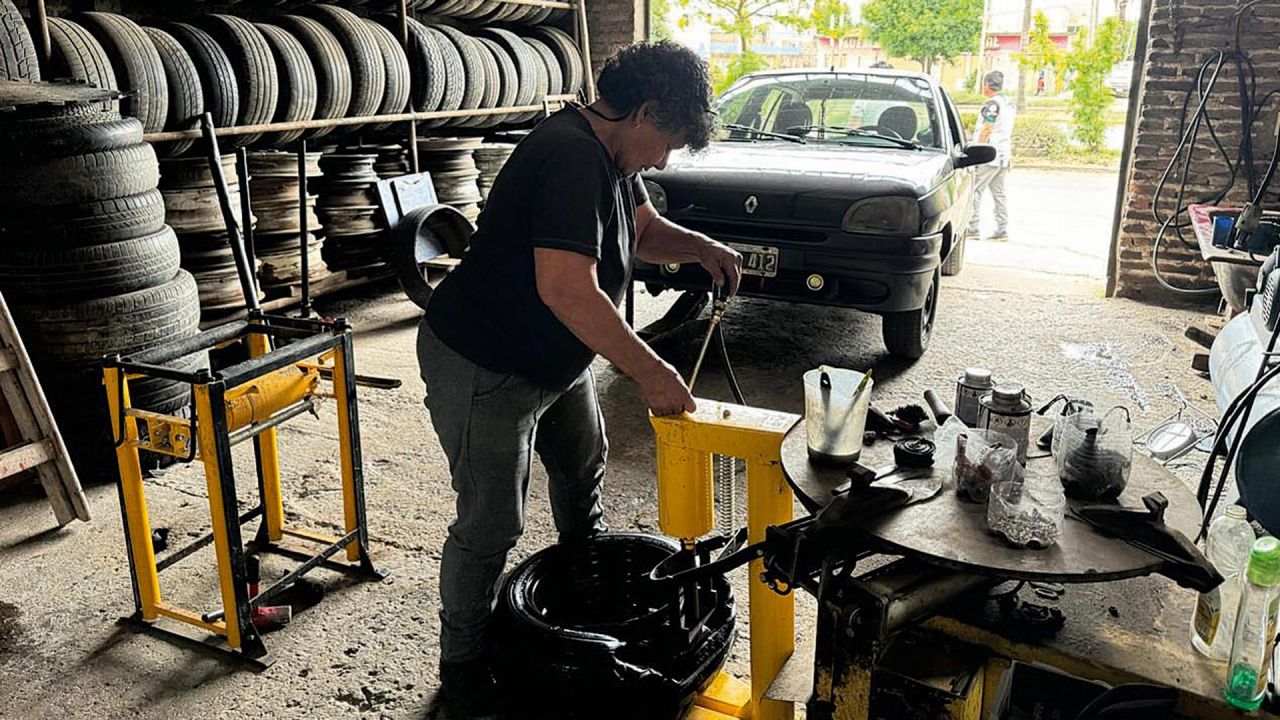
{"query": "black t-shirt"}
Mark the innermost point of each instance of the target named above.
(559, 190)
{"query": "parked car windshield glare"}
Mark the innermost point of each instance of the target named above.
(816, 106)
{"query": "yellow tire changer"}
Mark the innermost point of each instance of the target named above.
(245, 400)
(686, 444)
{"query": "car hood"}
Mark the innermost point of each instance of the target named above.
(806, 183)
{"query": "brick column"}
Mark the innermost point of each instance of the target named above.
(615, 24)
(1185, 33)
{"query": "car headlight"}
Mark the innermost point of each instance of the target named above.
(883, 216)
(657, 196)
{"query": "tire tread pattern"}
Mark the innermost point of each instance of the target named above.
(18, 59)
(62, 274)
(137, 67)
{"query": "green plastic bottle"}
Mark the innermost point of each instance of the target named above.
(1255, 627)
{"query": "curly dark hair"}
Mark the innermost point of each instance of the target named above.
(672, 78)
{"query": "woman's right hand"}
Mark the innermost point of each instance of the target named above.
(664, 391)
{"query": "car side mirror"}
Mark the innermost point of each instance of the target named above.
(976, 154)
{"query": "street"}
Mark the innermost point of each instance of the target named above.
(1059, 232)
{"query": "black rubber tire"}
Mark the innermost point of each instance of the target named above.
(70, 333)
(955, 260)
(454, 70)
(492, 84)
(81, 178)
(423, 234)
(555, 79)
(529, 69)
(578, 625)
(427, 68)
(907, 334)
(256, 70)
(368, 75)
(18, 60)
(395, 98)
(217, 76)
(33, 273)
(298, 95)
(186, 95)
(508, 80)
(58, 139)
(86, 224)
(472, 67)
(566, 51)
(78, 55)
(329, 61)
(137, 66)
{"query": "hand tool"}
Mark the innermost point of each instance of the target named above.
(719, 305)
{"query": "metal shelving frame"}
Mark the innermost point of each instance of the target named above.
(40, 27)
(580, 35)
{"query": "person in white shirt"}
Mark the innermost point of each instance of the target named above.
(994, 127)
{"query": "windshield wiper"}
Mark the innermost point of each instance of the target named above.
(857, 132)
(763, 133)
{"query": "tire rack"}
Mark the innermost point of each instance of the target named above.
(580, 34)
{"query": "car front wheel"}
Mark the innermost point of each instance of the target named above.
(955, 259)
(906, 334)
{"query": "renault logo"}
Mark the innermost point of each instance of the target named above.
(751, 204)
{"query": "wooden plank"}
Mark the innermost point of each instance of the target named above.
(25, 457)
(59, 499)
(36, 407)
(8, 360)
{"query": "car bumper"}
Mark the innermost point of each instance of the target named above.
(870, 273)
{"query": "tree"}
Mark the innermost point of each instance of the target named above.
(737, 17)
(1042, 53)
(659, 20)
(927, 31)
(1089, 61)
(829, 19)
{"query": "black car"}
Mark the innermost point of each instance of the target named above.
(850, 189)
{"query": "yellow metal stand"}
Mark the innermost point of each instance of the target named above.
(686, 444)
(246, 400)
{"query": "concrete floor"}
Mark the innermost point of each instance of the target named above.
(369, 649)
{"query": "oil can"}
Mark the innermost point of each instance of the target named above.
(1007, 409)
(972, 384)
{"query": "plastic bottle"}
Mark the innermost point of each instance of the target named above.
(1251, 645)
(1230, 541)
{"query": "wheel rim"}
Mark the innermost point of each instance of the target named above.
(930, 309)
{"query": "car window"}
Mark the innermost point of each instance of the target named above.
(817, 106)
(953, 119)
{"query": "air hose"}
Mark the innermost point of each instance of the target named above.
(1251, 108)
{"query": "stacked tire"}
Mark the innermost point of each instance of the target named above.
(454, 174)
(274, 184)
(87, 262)
(490, 157)
(324, 63)
(354, 233)
(193, 210)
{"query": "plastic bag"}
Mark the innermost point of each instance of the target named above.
(1028, 512)
(1094, 456)
(981, 459)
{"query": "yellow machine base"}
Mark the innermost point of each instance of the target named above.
(726, 698)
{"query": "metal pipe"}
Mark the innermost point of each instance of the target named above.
(584, 45)
(247, 284)
(339, 122)
(403, 16)
(181, 348)
(246, 207)
(304, 231)
(279, 418)
(40, 27)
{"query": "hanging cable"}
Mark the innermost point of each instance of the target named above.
(1189, 133)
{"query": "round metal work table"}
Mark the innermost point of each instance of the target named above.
(952, 533)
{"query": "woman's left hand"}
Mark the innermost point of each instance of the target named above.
(723, 262)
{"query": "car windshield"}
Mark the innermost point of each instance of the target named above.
(846, 108)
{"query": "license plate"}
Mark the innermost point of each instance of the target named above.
(758, 259)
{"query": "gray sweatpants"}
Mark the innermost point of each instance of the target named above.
(990, 176)
(490, 425)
